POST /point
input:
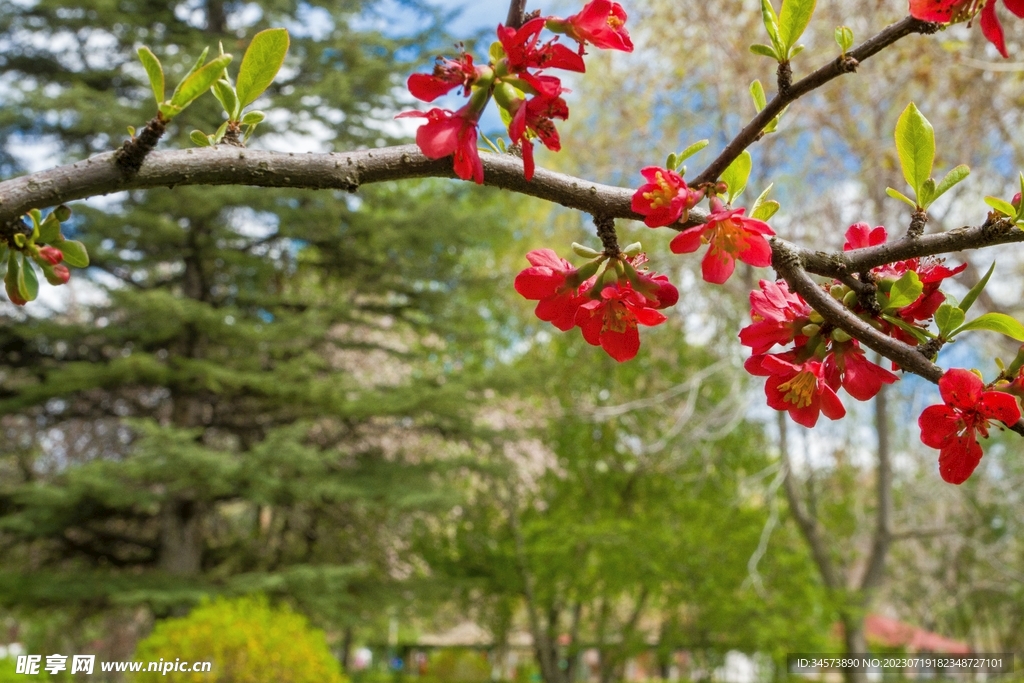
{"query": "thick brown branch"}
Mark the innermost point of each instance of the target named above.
(225, 165)
(823, 75)
(516, 13)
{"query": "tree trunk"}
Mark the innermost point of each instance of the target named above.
(181, 539)
(855, 644)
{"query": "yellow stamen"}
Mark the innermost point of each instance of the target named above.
(800, 390)
(614, 21)
(662, 196)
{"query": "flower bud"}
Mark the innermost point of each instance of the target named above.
(840, 336)
(1016, 201)
(850, 299)
(633, 249)
(51, 255)
(815, 317)
(62, 213)
(810, 330)
(837, 291)
(56, 275)
(584, 251)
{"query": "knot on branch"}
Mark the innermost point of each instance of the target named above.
(931, 348)
(233, 134)
(917, 223)
(866, 293)
(785, 77)
(925, 28)
(784, 257)
(133, 152)
(606, 233)
(847, 64)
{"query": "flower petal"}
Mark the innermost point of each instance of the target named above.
(961, 388)
(958, 460)
(939, 425)
(999, 406)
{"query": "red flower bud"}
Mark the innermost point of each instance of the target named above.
(51, 254)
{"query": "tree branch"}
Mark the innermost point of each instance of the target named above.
(516, 13)
(839, 66)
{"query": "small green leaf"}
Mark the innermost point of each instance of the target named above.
(844, 38)
(75, 254)
(691, 150)
(948, 318)
(795, 50)
(927, 193)
(199, 138)
(766, 210)
(952, 178)
(28, 282)
(218, 135)
(995, 322)
(905, 291)
(155, 72)
(896, 194)
(764, 51)
(672, 162)
(736, 175)
(757, 92)
(253, 118)
(195, 67)
(1001, 205)
(13, 276)
(922, 336)
(915, 145)
(225, 94)
(793, 20)
(169, 110)
(199, 82)
(976, 290)
(761, 198)
(262, 61)
(49, 230)
(771, 25)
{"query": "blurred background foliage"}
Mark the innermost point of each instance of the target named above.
(337, 400)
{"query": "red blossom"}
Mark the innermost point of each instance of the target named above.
(450, 133)
(945, 11)
(448, 74)
(731, 235)
(611, 320)
(952, 427)
(537, 114)
(846, 365)
(861, 235)
(665, 198)
(57, 275)
(522, 51)
(778, 316)
(601, 23)
(552, 281)
(798, 388)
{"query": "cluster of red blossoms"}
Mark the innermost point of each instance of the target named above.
(946, 11)
(607, 307)
(516, 79)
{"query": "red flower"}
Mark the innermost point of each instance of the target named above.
(799, 388)
(537, 114)
(611, 321)
(446, 133)
(951, 428)
(944, 11)
(732, 236)
(448, 75)
(847, 365)
(860, 235)
(51, 254)
(551, 282)
(665, 198)
(522, 51)
(778, 316)
(601, 23)
(57, 275)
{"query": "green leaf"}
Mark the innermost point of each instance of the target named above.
(757, 92)
(199, 82)
(199, 138)
(766, 210)
(1001, 205)
(764, 51)
(218, 135)
(225, 94)
(948, 318)
(13, 276)
(972, 295)
(195, 67)
(262, 61)
(922, 336)
(691, 150)
(154, 71)
(952, 178)
(995, 322)
(736, 175)
(761, 198)
(169, 110)
(49, 230)
(927, 193)
(771, 25)
(796, 49)
(28, 282)
(793, 21)
(75, 254)
(915, 145)
(844, 38)
(253, 118)
(896, 194)
(905, 291)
